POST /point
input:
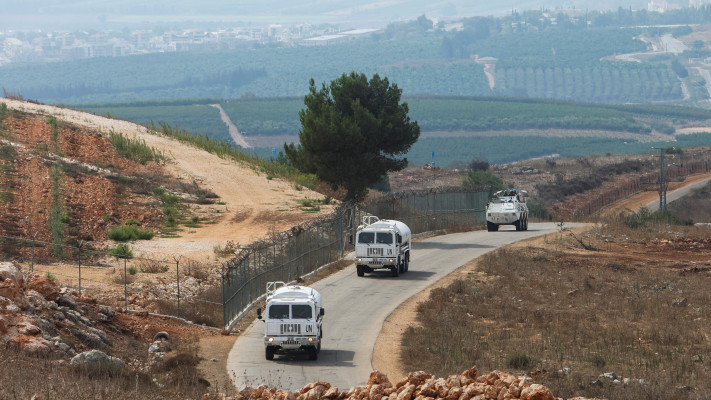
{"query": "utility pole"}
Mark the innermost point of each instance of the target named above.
(662, 180)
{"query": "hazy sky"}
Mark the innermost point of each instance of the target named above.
(118, 14)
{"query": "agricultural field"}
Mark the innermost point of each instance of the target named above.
(201, 119)
(558, 62)
(456, 129)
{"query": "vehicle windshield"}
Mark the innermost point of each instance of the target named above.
(279, 311)
(301, 311)
(366, 237)
(385, 238)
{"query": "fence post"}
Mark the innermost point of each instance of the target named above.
(125, 285)
(177, 272)
(32, 262)
(81, 243)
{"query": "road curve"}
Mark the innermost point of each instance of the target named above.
(678, 193)
(355, 311)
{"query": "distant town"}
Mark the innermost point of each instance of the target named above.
(65, 46)
(33, 46)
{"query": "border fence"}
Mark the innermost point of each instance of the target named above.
(305, 248)
(223, 294)
(581, 208)
(82, 268)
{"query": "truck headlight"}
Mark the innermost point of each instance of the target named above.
(271, 339)
(392, 260)
(359, 259)
(311, 339)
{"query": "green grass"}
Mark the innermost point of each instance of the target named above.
(231, 151)
(56, 213)
(135, 149)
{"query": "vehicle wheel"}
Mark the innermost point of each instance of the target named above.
(313, 353)
(491, 227)
(360, 270)
(395, 271)
(269, 353)
(407, 265)
(401, 267)
(525, 224)
(519, 225)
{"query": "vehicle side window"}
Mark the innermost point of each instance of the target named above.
(385, 238)
(366, 237)
(301, 311)
(279, 311)
(399, 238)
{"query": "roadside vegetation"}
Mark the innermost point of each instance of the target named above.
(135, 149)
(229, 150)
(605, 322)
(45, 377)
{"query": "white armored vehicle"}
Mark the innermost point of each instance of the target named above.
(382, 244)
(292, 320)
(507, 207)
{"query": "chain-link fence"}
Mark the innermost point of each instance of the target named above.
(176, 286)
(306, 247)
(201, 293)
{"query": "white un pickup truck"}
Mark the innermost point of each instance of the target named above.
(293, 320)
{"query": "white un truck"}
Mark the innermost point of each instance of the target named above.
(507, 207)
(382, 244)
(292, 320)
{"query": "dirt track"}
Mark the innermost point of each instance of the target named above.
(254, 205)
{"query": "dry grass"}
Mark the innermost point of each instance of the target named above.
(49, 378)
(566, 317)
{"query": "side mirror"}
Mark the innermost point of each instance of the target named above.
(350, 239)
(323, 311)
(259, 313)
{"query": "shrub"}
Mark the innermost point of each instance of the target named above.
(644, 217)
(518, 360)
(152, 267)
(131, 221)
(483, 178)
(479, 164)
(121, 251)
(127, 233)
(168, 199)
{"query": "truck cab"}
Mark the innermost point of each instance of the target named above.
(293, 319)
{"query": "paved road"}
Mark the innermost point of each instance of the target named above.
(355, 311)
(677, 194)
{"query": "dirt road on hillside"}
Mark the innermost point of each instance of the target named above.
(234, 132)
(253, 205)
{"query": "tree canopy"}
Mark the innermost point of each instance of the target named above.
(354, 131)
